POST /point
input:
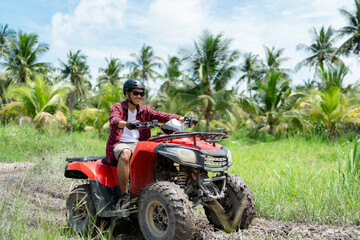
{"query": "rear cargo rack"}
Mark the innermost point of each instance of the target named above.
(206, 136)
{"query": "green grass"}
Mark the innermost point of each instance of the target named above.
(16, 223)
(27, 144)
(298, 179)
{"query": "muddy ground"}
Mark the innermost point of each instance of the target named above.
(46, 195)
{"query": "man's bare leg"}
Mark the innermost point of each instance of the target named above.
(123, 170)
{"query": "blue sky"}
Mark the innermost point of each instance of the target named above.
(104, 28)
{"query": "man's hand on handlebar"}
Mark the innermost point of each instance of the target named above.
(191, 121)
(133, 124)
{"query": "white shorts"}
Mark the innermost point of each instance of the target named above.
(124, 145)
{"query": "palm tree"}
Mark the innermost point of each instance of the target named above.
(110, 95)
(97, 119)
(333, 76)
(111, 72)
(307, 85)
(228, 113)
(145, 63)
(22, 60)
(171, 102)
(172, 74)
(352, 44)
(5, 35)
(276, 102)
(273, 60)
(167, 98)
(250, 67)
(185, 98)
(133, 71)
(76, 69)
(322, 49)
(39, 99)
(4, 84)
(327, 107)
(212, 65)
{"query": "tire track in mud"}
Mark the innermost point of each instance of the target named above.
(19, 186)
(286, 230)
(10, 174)
(262, 228)
(46, 201)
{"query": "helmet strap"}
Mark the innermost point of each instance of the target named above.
(129, 100)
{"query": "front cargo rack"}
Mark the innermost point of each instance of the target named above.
(206, 136)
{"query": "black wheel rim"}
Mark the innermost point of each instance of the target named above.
(157, 219)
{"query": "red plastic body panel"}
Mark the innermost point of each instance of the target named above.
(96, 170)
(142, 166)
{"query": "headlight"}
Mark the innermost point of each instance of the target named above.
(184, 155)
(229, 157)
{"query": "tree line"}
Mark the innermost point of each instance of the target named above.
(194, 82)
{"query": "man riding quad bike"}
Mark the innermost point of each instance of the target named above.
(169, 177)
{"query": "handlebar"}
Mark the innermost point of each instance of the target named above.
(188, 123)
(146, 125)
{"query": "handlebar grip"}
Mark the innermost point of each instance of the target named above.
(190, 121)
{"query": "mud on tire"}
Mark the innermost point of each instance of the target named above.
(237, 193)
(81, 210)
(165, 212)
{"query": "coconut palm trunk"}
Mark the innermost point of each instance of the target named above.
(76, 69)
(209, 108)
(72, 95)
(271, 123)
(144, 80)
(6, 101)
(208, 117)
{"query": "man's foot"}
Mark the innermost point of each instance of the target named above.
(124, 201)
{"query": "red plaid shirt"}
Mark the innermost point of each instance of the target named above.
(119, 111)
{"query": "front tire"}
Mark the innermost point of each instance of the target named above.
(165, 212)
(238, 197)
(81, 210)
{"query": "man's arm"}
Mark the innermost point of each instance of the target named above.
(163, 117)
(116, 117)
(121, 124)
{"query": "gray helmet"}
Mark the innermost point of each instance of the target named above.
(133, 83)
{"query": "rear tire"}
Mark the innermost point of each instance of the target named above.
(81, 213)
(237, 192)
(165, 212)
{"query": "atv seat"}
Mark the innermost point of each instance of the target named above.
(106, 161)
(84, 159)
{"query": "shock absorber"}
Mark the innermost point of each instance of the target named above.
(181, 180)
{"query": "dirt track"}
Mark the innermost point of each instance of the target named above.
(47, 198)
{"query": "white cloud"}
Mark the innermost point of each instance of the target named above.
(91, 21)
(174, 23)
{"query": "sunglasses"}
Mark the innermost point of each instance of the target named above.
(138, 93)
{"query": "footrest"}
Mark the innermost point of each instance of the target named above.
(115, 213)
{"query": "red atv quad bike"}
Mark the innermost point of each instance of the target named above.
(168, 178)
